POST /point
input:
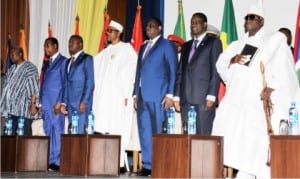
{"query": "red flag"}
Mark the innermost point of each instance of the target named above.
(76, 25)
(137, 33)
(45, 57)
(297, 37)
(22, 42)
(103, 35)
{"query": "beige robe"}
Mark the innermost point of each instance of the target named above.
(114, 78)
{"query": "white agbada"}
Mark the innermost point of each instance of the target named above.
(114, 79)
(240, 117)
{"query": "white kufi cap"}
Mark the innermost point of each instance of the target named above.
(116, 25)
(257, 9)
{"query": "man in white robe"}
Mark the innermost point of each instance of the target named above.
(114, 78)
(240, 117)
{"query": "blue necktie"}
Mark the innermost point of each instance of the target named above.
(193, 49)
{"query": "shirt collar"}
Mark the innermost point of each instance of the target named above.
(77, 54)
(53, 57)
(154, 40)
(200, 38)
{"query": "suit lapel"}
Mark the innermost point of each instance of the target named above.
(76, 63)
(156, 44)
(198, 49)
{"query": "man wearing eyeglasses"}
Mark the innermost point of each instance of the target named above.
(114, 77)
(241, 117)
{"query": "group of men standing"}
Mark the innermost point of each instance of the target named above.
(117, 80)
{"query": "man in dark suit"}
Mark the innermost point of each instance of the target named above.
(79, 86)
(51, 93)
(154, 87)
(197, 81)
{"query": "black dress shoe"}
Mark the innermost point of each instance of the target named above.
(122, 170)
(53, 167)
(144, 172)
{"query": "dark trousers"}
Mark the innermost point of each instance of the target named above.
(204, 118)
(27, 125)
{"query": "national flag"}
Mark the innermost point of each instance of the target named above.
(228, 34)
(180, 27)
(103, 39)
(22, 41)
(297, 44)
(137, 33)
(45, 57)
(9, 46)
(76, 32)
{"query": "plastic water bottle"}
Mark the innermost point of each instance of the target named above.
(192, 120)
(9, 127)
(293, 119)
(20, 129)
(75, 120)
(171, 120)
(90, 124)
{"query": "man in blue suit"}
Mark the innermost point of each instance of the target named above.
(52, 84)
(197, 81)
(79, 86)
(154, 87)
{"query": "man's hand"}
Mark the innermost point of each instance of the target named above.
(135, 103)
(209, 104)
(82, 107)
(237, 59)
(266, 93)
(125, 101)
(56, 108)
(177, 105)
(63, 109)
(168, 102)
(33, 109)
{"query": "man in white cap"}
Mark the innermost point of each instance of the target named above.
(114, 77)
(241, 117)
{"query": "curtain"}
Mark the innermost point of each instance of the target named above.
(13, 14)
(60, 15)
(91, 14)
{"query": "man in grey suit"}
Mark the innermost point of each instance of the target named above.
(197, 80)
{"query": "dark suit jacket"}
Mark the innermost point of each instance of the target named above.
(157, 71)
(199, 78)
(80, 83)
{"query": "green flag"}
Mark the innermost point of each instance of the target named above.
(228, 30)
(180, 28)
(228, 34)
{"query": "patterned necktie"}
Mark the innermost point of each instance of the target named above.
(149, 46)
(193, 49)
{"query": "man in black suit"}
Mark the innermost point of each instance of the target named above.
(197, 81)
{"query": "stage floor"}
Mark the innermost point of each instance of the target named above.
(53, 174)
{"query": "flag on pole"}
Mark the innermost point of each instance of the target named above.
(180, 27)
(137, 33)
(297, 45)
(228, 34)
(103, 37)
(45, 57)
(22, 41)
(76, 32)
(9, 46)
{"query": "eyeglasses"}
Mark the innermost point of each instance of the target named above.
(111, 30)
(251, 17)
